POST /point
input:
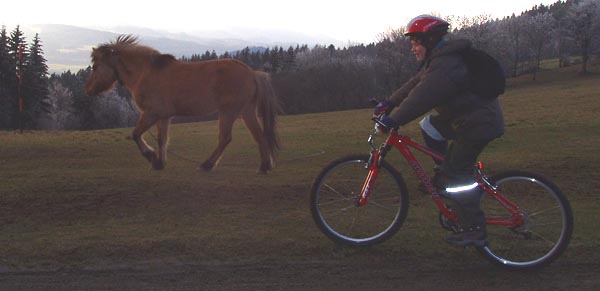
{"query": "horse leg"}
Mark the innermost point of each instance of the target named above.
(225, 127)
(163, 140)
(251, 121)
(143, 124)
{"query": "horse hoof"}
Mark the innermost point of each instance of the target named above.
(264, 170)
(206, 166)
(158, 165)
(150, 156)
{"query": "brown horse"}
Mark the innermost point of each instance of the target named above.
(163, 87)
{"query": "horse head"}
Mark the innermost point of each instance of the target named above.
(104, 74)
(104, 64)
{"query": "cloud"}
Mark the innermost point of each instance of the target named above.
(85, 48)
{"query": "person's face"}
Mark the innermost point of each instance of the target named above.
(418, 49)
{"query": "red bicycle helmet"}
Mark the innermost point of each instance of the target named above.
(426, 24)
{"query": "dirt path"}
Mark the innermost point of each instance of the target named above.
(306, 275)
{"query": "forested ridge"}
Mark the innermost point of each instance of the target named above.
(307, 79)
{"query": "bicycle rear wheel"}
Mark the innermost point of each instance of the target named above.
(333, 202)
(547, 227)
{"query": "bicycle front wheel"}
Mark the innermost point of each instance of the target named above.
(333, 202)
(547, 227)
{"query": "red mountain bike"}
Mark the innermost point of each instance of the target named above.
(361, 200)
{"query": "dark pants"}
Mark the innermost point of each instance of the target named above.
(460, 159)
(458, 170)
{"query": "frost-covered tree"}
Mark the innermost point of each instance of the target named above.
(478, 29)
(60, 99)
(584, 25)
(538, 30)
(112, 111)
(515, 28)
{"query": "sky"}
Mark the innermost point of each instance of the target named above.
(346, 20)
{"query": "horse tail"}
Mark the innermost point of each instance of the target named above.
(268, 107)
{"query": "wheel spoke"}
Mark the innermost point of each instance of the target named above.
(334, 190)
(335, 201)
(382, 206)
(550, 243)
(514, 246)
(547, 223)
(351, 226)
(334, 206)
(543, 211)
(546, 229)
(337, 211)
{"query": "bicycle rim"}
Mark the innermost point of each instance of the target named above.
(547, 227)
(334, 203)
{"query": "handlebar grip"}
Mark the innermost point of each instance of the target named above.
(378, 120)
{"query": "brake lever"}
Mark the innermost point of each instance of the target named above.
(378, 120)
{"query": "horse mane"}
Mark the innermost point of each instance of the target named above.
(130, 44)
(161, 61)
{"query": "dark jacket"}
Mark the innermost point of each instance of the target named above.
(443, 84)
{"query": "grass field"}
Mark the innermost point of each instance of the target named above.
(89, 199)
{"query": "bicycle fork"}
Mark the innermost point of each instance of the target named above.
(374, 168)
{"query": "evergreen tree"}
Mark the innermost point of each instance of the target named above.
(35, 89)
(276, 57)
(244, 56)
(82, 103)
(205, 56)
(5, 80)
(196, 58)
(225, 56)
(17, 58)
(289, 60)
(256, 60)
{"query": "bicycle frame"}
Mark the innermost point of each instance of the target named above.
(404, 144)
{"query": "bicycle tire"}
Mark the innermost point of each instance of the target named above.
(548, 222)
(333, 205)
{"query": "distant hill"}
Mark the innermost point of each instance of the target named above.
(68, 47)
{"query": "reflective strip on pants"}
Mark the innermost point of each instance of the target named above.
(462, 188)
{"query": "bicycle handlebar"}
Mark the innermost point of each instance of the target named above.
(378, 118)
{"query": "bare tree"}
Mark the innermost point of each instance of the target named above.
(515, 27)
(60, 98)
(478, 29)
(584, 24)
(112, 111)
(538, 31)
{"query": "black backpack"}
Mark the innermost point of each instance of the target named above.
(486, 75)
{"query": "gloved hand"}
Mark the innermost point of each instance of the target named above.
(386, 124)
(383, 106)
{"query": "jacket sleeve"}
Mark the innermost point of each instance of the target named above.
(440, 81)
(399, 95)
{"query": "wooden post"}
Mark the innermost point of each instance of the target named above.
(19, 87)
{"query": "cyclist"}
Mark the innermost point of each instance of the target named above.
(462, 117)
